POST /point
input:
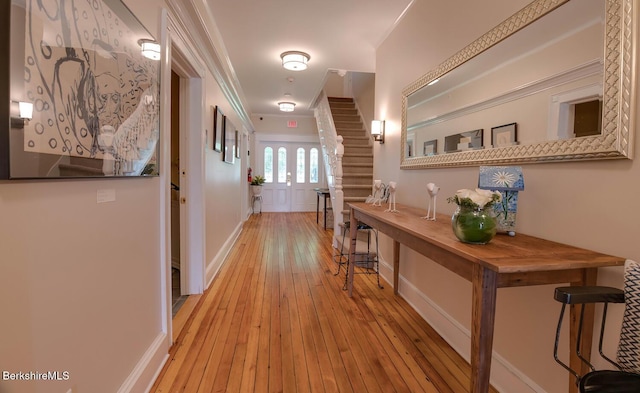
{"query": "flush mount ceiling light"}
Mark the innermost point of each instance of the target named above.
(294, 60)
(286, 106)
(150, 49)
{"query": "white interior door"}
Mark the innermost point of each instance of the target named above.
(292, 170)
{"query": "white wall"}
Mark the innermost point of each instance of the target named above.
(79, 280)
(584, 204)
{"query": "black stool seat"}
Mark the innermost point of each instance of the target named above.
(606, 381)
(588, 294)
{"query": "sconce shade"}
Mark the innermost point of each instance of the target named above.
(294, 60)
(26, 110)
(286, 106)
(377, 130)
(150, 49)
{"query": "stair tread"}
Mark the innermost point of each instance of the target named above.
(361, 155)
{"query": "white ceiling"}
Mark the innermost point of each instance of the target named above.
(337, 34)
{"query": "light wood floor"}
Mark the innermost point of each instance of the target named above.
(276, 319)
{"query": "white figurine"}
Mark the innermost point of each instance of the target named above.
(432, 190)
(377, 193)
(377, 184)
(392, 197)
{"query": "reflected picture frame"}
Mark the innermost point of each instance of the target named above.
(474, 140)
(430, 148)
(504, 135)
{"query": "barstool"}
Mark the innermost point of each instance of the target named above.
(371, 262)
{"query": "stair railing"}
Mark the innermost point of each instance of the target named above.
(333, 151)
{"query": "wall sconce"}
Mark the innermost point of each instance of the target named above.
(286, 106)
(150, 49)
(377, 130)
(294, 60)
(25, 113)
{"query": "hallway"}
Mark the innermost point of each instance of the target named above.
(276, 319)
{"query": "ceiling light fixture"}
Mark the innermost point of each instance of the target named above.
(286, 106)
(150, 49)
(294, 60)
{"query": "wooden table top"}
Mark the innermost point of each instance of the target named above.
(504, 254)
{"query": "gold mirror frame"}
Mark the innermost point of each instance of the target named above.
(616, 140)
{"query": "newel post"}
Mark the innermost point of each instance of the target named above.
(338, 203)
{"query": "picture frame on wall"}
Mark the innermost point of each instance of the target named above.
(229, 145)
(218, 128)
(237, 149)
(504, 135)
(93, 98)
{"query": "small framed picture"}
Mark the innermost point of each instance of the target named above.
(229, 142)
(237, 145)
(218, 128)
(430, 148)
(505, 135)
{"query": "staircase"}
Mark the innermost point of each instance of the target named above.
(357, 172)
(357, 162)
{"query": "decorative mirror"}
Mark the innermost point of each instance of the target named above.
(554, 82)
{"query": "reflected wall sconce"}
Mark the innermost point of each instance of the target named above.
(150, 49)
(25, 113)
(294, 60)
(286, 106)
(377, 130)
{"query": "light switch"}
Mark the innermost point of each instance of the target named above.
(106, 195)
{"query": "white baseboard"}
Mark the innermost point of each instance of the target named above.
(504, 376)
(214, 266)
(148, 368)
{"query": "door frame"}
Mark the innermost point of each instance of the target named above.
(181, 58)
(261, 138)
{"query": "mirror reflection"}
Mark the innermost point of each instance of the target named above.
(542, 85)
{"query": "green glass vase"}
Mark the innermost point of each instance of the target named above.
(475, 226)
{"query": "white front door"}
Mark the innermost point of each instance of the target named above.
(292, 170)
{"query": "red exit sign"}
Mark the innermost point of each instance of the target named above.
(292, 124)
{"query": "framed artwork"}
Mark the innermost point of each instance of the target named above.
(237, 144)
(505, 135)
(218, 128)
(92, 97)
(469, 140)
(430, 148)
(229, 145)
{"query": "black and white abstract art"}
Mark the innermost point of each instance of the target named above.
(95, 97)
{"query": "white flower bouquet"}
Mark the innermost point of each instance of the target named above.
(476, 199)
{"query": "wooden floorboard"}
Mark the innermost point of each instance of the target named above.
(276, 319)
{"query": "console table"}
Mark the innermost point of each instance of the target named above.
(505, 262)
